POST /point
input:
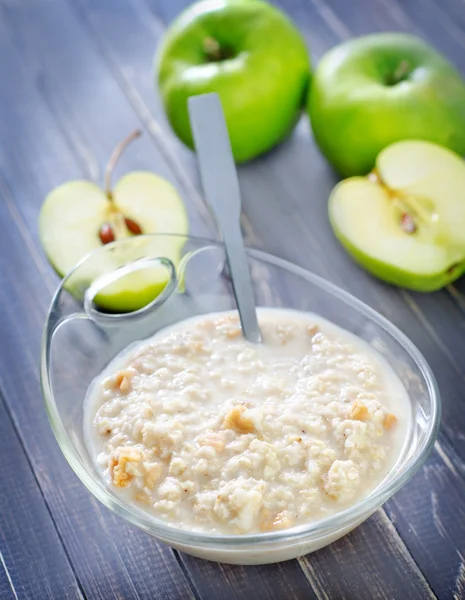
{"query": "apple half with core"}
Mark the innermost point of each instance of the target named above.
(405, 221)
(378, 89)
(79, 216)
(251, 54)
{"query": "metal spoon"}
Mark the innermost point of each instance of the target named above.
(221, 187)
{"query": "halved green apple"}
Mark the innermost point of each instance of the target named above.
(79, 217)
(405, 221)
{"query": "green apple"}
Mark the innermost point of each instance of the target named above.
(405, 221)
(373, 91)
(248, 52)
(79, 216)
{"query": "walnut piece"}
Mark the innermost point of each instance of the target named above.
(118, 466)
(235, 420)
(312, 330)
(359, 411)
(389, 421)
(122, 380)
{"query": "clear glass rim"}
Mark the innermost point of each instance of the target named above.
(313, 530)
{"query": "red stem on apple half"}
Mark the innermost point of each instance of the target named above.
(106, 232)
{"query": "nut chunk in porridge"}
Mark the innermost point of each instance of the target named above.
(208, 432)
(237, 420)
(124, 465)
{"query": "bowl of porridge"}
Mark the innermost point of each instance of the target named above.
(227, 450)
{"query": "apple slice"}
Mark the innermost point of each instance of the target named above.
(405, 222)
(79, 217)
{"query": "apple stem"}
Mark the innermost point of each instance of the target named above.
(401, 72)
(407, 221)
(115, 156)
(212, 48)
(214, 51)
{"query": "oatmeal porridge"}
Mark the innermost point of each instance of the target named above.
(211, 433)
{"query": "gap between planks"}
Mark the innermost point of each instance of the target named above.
(7, 574)
(10, 416)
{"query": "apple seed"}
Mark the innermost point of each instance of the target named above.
(407, 223)
(106, 233)
(132, 226)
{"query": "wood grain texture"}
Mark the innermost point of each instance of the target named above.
(112, 560)
(59, 104)
(269, 178)
(33, 563)
(266, 582)
(355, 561)
(7, 590)
(95, 561)
(79, 77)
(255, 178)
(439, 549)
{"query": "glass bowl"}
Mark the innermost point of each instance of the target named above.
(79, 341)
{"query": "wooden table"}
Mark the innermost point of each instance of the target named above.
(76, 77)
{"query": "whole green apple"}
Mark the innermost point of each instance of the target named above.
(248, 52)
(372, 91)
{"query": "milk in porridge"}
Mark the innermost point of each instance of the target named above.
(210, 433)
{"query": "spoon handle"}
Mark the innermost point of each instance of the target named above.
(221, 187)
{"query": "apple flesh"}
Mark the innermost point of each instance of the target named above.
(249, 53)
(405, 221)
(375, 90)
(79, 217)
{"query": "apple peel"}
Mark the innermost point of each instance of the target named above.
(405, 221)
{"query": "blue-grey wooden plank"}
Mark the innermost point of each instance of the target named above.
(7, 590)
(33, 561)
(440, 548)
(284, 580)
